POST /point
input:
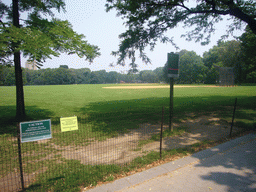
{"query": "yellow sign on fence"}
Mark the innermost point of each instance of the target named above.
(68, 124)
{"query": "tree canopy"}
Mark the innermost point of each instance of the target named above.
(37, 36)
(248, 49)
(149, 20)
(25, 27)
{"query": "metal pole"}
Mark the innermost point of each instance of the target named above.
(161, 133)
(20, 159)
(171, 104)
(233, 118)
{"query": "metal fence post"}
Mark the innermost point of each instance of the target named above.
(161, 133)
(171, 105)
(233, 119)
(20, 159)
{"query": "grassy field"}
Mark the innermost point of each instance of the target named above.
(104, 112)
(43, 102)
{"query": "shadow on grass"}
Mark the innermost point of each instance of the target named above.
(8, 121)
(110, 117)
(102, 120)
(69, 178)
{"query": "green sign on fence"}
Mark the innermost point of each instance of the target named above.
(35, 130)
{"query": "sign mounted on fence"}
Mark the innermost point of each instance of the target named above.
(68, 124)
(173, 65)
(35, 130)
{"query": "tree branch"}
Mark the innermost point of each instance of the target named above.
(210, 11)
(211, 2)
(2, 23)
(238, 13)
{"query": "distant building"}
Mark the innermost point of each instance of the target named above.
(31, 65)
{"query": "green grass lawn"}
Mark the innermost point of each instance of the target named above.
(43, 102)
(103, 113)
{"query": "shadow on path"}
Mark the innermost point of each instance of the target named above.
(238, 165)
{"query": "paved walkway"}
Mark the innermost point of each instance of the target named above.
(230, 166)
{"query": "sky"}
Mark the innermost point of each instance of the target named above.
(89, 17)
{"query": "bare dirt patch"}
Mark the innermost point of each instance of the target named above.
(124, 148)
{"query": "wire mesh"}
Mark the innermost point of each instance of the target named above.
(102, 139)
(104, 143)
(226, 76)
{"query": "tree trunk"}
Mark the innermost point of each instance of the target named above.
(20, 105)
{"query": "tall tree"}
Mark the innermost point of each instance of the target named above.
(149, 20)
(64, 66)
(225, 54)
(248, 49)
(159, 74)
(37, 37)
(112, 77)
(191, 68)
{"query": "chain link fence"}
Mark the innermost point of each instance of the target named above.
(101, 139)
(226, 76)
(104, 144)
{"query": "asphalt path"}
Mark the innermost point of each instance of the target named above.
(228, 167)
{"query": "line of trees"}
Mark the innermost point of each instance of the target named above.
(240, 54)
(64, 76)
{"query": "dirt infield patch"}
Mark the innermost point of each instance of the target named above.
(124, 148)
(153, 87)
